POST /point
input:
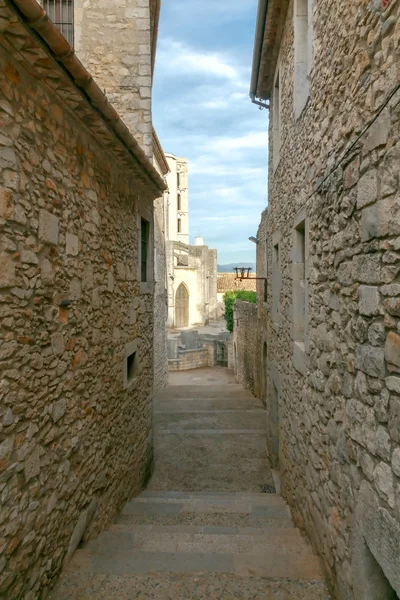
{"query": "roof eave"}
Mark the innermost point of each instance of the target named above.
(36, 18)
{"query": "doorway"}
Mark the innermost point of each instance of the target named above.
(182, 307)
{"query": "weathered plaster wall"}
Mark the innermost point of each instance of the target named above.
(246, 341)
(113, 40)
(339, 401)
(74, 443)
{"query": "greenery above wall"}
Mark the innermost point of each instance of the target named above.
(230, 299)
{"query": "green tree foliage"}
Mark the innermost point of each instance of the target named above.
(230, 299)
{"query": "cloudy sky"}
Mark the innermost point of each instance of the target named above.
(202, 111)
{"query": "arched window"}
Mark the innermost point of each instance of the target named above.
(182, 307)
(61, 12)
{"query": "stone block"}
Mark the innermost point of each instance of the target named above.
(370, 360)
(392, 305)
(29, 257)
(383, 479)
(59, 410)
(393, 384)
(367, 268)
(369, 301)
(48, 227)
(6, 204)
(7, 271)
(367, 189)
(32, 464)
(392, 351)
(381, 219)
(8, 159)
(396, 462)
(46, 271)
(378, 133)
(72, 244)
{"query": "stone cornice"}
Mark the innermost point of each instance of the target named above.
(159, 154)
(28, 33)
(271, 19)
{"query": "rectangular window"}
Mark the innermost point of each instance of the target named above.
(61, 12)
(178, 180)
(144, 241)
(276, 283)
(276, 113)
(302, 53)
(179, 202)
(179, 225)
(299, 281)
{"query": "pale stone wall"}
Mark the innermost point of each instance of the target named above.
(246, 343)
(199, 276)
(160, 299)
(75, 442)
(336, 393)
(113, 40)
(178, 169)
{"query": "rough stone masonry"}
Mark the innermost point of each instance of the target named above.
(330, 246)
(75, 413)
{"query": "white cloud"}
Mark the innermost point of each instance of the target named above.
(181, 58)
(257, 139)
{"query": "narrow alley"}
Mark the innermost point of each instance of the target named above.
(203, 529)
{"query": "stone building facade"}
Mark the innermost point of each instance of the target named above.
(245, 347)
(177, 199)
(190, 270)
(76, 304)
(329, 243)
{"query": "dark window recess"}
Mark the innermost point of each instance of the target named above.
(61, 12)
(144, 248)
(178, 180)
(131, 366)
(179, 225)
(179, 202)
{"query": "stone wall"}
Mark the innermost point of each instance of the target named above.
(75, 440)
(334, 383)
(160, 300)
(113, 40)
(246, 345)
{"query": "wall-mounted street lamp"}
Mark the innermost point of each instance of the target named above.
(254, 239)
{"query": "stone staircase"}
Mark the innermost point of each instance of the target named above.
(201, 545)
(230, 541)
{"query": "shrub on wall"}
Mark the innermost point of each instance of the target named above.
(230, 299)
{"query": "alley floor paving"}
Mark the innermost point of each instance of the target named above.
(204, 529)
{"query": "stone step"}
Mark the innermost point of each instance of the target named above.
(230, 390)
(211, 497)
(120, 551)
(262, 505)
(212, 421)
(204, 509)
(203, 586)
(199, 405)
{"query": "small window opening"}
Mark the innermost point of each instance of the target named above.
(179, 202)
(144, 248)
(276, 282)
(61, 12)
(179, 225)
(266, 272)
(178, 180)
(131, 366)
(299, 277)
